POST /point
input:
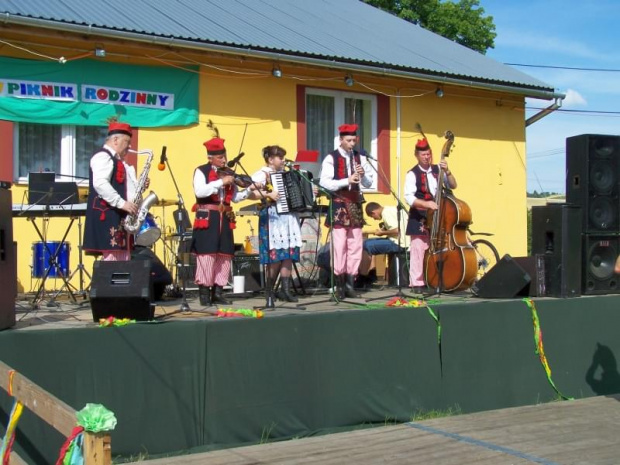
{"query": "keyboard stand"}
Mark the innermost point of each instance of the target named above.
(53, 263)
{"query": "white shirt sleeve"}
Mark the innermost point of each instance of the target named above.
(327, 180)
(204, 189)
(410, 188)
(369, 172)
(102, 167)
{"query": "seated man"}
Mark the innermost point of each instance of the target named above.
(388, 240)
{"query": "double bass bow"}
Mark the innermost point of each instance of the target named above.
(450, 262)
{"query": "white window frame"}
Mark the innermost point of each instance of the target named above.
(339, 97)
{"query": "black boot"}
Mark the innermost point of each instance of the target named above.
(339, 291)
(285, 291)
(348, 286)
(217, 297)
(204, 294)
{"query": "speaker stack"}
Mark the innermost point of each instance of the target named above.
(593, 183)
(8, 262)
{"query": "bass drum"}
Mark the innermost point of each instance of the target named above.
(149, 232)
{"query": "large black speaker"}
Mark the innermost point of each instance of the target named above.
(506, 279)
(8, 270)
(592, 180)
(122, 290)
(248, 265)
(556, 233)
(599, 258)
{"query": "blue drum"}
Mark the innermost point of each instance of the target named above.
(148, 233)
(41, 259)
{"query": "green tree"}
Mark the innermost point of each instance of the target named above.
(462, 21)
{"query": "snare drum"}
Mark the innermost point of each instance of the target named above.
(41, 259)
(149, 232)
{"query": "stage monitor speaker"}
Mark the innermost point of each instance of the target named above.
(507, 279)
(122, 290)
(592, 180)
(248, 265)
(8, 262)
(600, 253)
(403, 264)
(556, 233)
(160, 276)
(536, 267)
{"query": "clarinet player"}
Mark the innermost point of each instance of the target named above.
(112, 182)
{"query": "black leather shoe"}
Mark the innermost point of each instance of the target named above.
(204, 296)
(217, 297)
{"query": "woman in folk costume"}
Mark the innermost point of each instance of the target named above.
(279, 233)
(212, 236)
(342, 173)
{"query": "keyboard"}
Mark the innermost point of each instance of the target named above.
(68, 210)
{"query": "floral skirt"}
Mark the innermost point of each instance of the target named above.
(266, 255)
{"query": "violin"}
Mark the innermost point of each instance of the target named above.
(241, 180)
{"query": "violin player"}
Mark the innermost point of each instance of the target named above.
(420, 189)
(213, 243)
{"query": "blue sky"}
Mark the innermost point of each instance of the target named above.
(565, 33)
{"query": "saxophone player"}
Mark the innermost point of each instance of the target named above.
(112, 182)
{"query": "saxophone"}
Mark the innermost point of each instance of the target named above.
(133, 223)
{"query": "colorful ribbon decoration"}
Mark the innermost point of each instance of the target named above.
(540, 349)
(243, 312)
(16, 413)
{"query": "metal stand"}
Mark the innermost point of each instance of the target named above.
(80, 268)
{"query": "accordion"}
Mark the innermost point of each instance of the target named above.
(295, 191)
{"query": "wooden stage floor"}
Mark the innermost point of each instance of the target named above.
(578, 432)
(66, 313)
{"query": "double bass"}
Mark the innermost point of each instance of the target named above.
(450, 262)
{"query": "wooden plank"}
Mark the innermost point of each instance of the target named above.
(567, 433)
(46, 406)
(97, 448)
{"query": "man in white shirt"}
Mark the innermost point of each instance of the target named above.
(342, 173)
(420, 189)
(112, 182)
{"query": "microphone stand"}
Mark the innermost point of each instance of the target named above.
(399, 208)
(181, 213)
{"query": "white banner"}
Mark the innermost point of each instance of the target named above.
(41, 90)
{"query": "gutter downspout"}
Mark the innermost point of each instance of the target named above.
(326, 62)
(546, 111)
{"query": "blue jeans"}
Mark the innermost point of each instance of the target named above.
(379, 246)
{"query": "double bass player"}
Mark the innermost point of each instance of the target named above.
(420, 188)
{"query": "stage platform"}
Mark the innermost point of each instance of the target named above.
(192, 382)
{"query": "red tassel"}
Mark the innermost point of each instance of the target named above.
(102, 216)
(194, 207)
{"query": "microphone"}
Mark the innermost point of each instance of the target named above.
(289, 163)
(235, 160)
(162, 159)
(367, 155)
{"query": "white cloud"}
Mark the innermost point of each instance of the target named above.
(573, 99)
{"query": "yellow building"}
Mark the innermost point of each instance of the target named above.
(262, 72)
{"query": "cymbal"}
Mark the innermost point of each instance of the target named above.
(166, 203)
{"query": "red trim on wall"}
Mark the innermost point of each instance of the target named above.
(6, 151)
(383, 142)
(301, 118)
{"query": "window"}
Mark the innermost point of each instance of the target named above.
(328, 109)
(65, 150)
